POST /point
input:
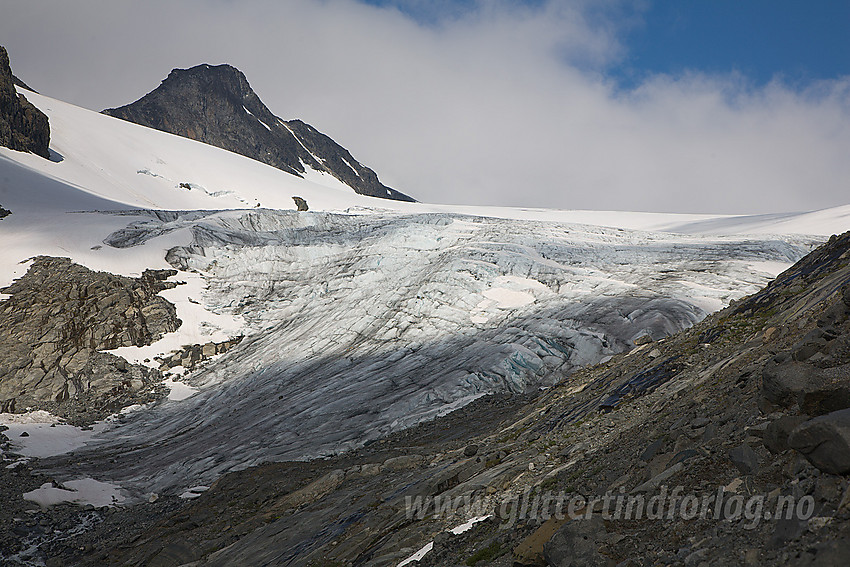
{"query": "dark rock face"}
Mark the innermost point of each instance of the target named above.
(60, 316)
(23, 127)
(216, 105)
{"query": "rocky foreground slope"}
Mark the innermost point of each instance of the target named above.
(216, 105)
(751, 404)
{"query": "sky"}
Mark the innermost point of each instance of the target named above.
(712, 106)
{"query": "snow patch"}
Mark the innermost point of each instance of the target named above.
(506, 298)
(179, 391)
(457, 530)
(351, 167)
(767, 267)
(45, 435)
(418, 555)
(194, 492)
(512, 292)
(297, 139)
(323, 178)
(82, 491)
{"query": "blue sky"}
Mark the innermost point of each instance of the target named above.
(791, 40)
(761, 39)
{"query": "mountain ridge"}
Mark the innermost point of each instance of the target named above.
(216, 105)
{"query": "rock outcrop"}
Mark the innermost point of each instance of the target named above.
(216, 105)
(59, 317)
(301, 204)
(190, 356)
(23, 127)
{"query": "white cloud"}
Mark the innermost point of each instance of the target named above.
(501, 104)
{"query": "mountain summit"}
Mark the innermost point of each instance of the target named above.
(216, 105)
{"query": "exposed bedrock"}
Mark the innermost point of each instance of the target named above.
(59, 317)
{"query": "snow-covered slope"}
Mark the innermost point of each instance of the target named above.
(362, 315)
(132, 166)
(126, 165)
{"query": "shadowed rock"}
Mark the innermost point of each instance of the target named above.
(23, 127)
(825, 441)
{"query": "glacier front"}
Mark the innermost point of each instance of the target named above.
(360, 324)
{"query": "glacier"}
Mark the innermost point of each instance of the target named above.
(357, 325)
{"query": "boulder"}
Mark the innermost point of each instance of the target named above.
(825, 441)
(300, 203)
(653, 448)
(577, 544)
(835, 314)
(745, 459)
(403, 462)
(777, 432)
(782, 383)
(642, 340)
(816, 391)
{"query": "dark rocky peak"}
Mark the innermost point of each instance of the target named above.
(216, 105)
(224, 82)
(23, 127)
(214, 76)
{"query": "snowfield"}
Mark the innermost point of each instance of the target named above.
(361, 316)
